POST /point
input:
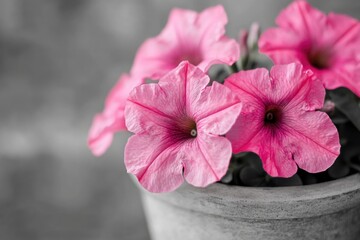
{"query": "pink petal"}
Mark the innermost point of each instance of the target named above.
(101, 134)
(207, 160)
(246, 127)
(155, 162)
(300, 17)
(190, 82)
(217, 109)
(249, 122)
(173, 96)
(212, 21)
(224, 51)
(275, 39)
(111, 120)
(275, 152)
(154, 58)
(313, 140)
(343, 32)
(150, 116)
(296, 87)
(252, 85)
(202, 29)
(188, 35)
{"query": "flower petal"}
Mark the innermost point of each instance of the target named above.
(111, 120)
(344, 32)
(101, 134)
(251, 85)
(145, 111)
(207, 160)
(217, 109)
(275, 152)
(172, 97)
(315, 140)
(155, 162)
(224, 51)
(154, 58)
(190, 82)
(196, 37)
(297, 88)
(246, 127)
(276, 39)
(300, 17)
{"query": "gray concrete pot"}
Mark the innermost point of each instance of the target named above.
(328, 210)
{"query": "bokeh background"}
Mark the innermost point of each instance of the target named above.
(58, 60)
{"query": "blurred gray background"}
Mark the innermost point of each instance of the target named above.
(58, 60)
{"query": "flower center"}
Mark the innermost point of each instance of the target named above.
(319, 59)
(185, 128)
(191, 56)
(193, 132)
(273, 115)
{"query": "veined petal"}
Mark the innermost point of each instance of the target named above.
(224, 51)
(276, 39)
(275, 153)
(111, 120)
(251, 85)
(190, 82)
(212, 22)
(314, 139)
(154, 58)
(188, 36)
(156, 113)
(343, 31)
(296, 87)
(217, 109)
(300, 17)
(155, 161)
(120, 92)
(101, 133)
(246, 127)
(207, 160)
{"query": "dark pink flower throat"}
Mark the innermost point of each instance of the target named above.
(319, 59)
(185, 128)
(273, 115)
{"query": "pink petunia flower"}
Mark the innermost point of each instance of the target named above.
(178, 124)
(196, 37)
(280, 121)
(111, 120)
(326, 44)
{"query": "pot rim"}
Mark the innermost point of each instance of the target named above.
(267, 202)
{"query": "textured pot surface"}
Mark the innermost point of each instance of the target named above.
(328, 210)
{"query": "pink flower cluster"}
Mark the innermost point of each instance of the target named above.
(187, 129)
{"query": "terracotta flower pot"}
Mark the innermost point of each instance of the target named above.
(328, 210)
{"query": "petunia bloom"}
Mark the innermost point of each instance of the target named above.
(111, 120)
(280, 121)
(326, 44)
(178, 125)
(195, 37)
